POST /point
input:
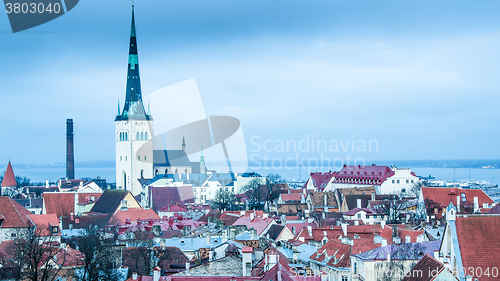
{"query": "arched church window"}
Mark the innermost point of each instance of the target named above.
(146, 136)
(142, 136)
(120, 136)
(156, 172)
(166, 171)
(142, 174)
(176, 171)
(126, 136)
(185, 171)
(137, 137)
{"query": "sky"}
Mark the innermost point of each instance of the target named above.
(416, 79)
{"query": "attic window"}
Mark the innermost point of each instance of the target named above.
(54, 229)
(182, 242)
(463, 197)
(216, 241)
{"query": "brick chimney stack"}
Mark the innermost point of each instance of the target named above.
(70, 158)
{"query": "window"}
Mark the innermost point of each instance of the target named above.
(407, 181)
(463, 197)
(125, 158)
(137, 136)
(359, 216)
(146, 136)
(194, 189)
(398, 181)
(54, 229)
(139, 158)
(344, 278)
(142, 136)
(411, 181)
(144, 157)
(355, 268)
(393, 181)
(120, 158)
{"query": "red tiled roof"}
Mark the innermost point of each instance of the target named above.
(133, 214)
(320, 180)
(174, 208)
(371, 174)
(15, 215)
(291, 197)
(258, 223)
(425, 270)
(9, 179)
(478, 239)
(354, 211)
(442, 196)
(60, 203)
(44, 222)
(161, 197)
(86, 198)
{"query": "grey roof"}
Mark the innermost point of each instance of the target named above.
(169, 158)
(306, 251)
(109, 201)
(287, 252)
(275, 231)
(225, 179)
(406, 251)
(192, 244)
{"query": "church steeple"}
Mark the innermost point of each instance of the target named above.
(133, 109)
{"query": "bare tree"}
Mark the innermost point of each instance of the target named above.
(255, 193)
(39, 256)
(224, 200)
(97, 251)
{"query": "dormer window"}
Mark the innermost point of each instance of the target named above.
(54, 229)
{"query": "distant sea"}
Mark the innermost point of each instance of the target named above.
(449, 170)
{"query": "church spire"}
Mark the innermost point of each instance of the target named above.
(183, 144)
(133, 108)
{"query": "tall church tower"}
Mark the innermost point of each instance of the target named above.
(134, 129)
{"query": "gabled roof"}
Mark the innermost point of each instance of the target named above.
(275, 231)
(258, 223)
(133, 214)
(161, 197)
(378, 174)
(478, 236)
(59, 203)
(174, 208)
(494, 210)
(352, 200)
(405, 251)
(109, 201)
(290, 198)
(445, 195)
(171, 259)
(318, 199)
(425, 270)
(170, 158)
(13, 214)
(291, 209)
(9, 179)
(45, 222)
(354, 211)
(320, 180)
